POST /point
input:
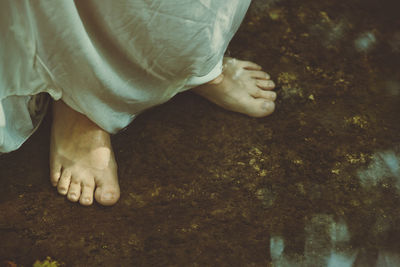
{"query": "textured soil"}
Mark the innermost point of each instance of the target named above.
(202, 186)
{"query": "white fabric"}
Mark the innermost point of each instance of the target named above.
(109, 60)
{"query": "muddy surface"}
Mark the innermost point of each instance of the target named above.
(316, 183)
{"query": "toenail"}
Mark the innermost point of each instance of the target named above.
(267, 106)
(271, 83)
(107, 196)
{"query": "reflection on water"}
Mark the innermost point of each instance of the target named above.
(388, 259)
(329, 31)
(277, 247)
(365, 41)
(328, 239)
(384, 166)
(326, 244)
(328, 249)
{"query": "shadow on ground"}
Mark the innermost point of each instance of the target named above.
(315, 184)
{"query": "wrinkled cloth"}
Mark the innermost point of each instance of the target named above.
(109, 60)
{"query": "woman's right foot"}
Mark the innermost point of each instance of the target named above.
(82, 163)
(242, 87)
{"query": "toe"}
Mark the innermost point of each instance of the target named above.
(63, 183)
(107, 195)
(55, 177)
(265, 84)
(267, 107)
(248, 65)
(259, 75)
(74, 191)
(87, 195)
(269, 95)
(55, 173)
(260, 107)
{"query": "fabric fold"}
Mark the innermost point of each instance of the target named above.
(110, 60)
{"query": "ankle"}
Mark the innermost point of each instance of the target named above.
(217, 80)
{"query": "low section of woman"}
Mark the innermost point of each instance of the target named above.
(105, 62)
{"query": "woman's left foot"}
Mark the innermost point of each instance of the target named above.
(242, 87)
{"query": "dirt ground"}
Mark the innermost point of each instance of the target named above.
(316, 183)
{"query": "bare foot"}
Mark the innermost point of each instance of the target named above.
(82, 161)
(242, 87)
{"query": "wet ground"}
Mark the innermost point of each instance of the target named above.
(315, 184)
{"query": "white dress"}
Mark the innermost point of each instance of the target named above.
(107, 59)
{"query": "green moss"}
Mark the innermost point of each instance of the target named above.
(48, 262)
